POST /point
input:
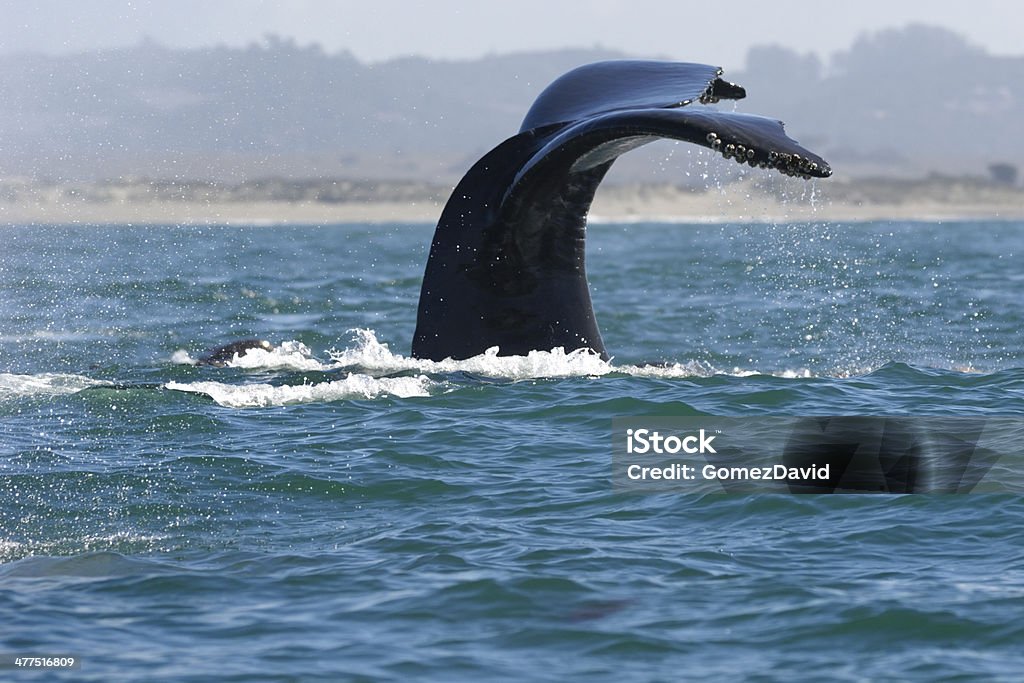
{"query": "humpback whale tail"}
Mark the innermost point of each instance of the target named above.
(507, 263)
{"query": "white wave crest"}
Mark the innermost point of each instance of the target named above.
(182, 357)
(290, 355)
(691, 368)
(45, 384)
(264, 395)
(374, 356)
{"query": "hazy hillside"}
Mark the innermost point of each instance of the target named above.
(903, 101)
(912, 99)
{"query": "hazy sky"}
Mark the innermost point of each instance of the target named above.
(718, 32)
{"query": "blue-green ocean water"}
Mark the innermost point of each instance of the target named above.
(337, 511)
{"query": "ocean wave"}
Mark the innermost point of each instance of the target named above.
(289, 355)
(47, 557)
(44, 384)
(372, 355)
(265, 395)
(183, 357)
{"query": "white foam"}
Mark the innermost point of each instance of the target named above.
(354, 386)
(45, 384)
(374, 356)
(182, 357)
(291, 355)
(670, 370)
(368, 354)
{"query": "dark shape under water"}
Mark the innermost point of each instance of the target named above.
(221, 355)
(506, 266)
(891, 454)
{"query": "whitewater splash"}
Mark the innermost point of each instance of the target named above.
(371, 368)
(45, 384)
(354, 386)
(290, 355)
(370, 355)
(369, 361)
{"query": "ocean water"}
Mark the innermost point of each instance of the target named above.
(334, 510)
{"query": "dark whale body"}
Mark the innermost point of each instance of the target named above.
(221, 355)
(507, 263)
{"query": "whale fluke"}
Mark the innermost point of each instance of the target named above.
(507, 263)
(221, 355)
(603, 87)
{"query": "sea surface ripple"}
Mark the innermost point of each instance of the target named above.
(335, 510)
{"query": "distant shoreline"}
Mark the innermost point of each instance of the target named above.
(940, 199)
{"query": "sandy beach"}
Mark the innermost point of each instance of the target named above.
(737, 202)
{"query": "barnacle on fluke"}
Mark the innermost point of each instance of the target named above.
(789, 163)
(507, 264)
